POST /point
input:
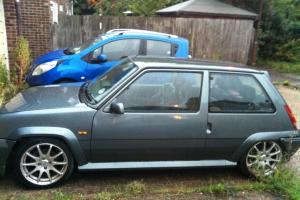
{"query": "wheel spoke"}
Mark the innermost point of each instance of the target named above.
(59, 163)
(48, 175)
(274, 160)
(56, 171)
(39, 150)
(49, 150)
(252, 156)
(270, 166)
(57, 155)
(32, 156)
(275, 153)
(251, 164)
(265, 146)
(29, 164)
(33, 171)
(40, 175)
(255, 147)
(270, 149)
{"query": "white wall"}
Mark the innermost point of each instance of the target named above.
(3, 38)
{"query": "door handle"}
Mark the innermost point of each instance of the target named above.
(209, 129)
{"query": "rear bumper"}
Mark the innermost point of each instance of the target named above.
(5, 149)
(291, 144)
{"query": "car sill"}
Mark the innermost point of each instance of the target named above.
(155, 164)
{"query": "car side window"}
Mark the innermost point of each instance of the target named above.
(238, 93)
(163, 92)
(158, 48)
(121, 49)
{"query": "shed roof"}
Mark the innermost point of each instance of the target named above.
(212, 8)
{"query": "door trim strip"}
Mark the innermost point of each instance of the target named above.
(155, 164)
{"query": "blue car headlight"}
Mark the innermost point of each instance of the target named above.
(43, 68)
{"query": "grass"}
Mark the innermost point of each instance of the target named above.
(287, 67)
(284, 183)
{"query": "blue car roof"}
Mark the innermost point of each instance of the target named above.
(141, 34)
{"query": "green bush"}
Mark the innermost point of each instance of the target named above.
(3, 74)
(290, 51)
(22, 58)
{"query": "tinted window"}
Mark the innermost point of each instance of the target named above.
(235, 93)
(121, 49)
(157, 48)
(163, 92)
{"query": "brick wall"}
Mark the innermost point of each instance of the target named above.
(34, 25)
(11, 28)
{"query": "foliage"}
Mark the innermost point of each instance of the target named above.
(3, 73)
(136, 187)
(285, 182)
(148, 7)
(138, 7)
(7, 92)
(289, 51)
(282, 66)
(280, 30)
(22, 60)
(83, 7)
(105, 196)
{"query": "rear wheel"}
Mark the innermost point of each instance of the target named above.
(43, 163)
(262, 159)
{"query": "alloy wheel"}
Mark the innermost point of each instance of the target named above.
(44, 164)
(263, 158)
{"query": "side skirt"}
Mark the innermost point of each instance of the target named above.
(155, 164)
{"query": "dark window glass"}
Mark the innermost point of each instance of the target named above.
(163, 92)
(157, 48)
(120, 49)
(236, 93)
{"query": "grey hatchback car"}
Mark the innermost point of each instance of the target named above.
(148, 113)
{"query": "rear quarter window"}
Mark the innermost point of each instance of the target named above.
(159, 48)
(238, 93)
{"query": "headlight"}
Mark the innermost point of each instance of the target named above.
(42, 68)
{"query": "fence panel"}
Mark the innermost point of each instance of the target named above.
(210, 38)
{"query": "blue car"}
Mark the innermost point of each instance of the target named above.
(96, 56)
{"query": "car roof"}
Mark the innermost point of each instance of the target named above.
(137, 32)
(166, 62)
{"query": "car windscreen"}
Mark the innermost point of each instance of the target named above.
(100, 86)
(79, 48)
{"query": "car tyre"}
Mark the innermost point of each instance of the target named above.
(261, 159)
(42, 163)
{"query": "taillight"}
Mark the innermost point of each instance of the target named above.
(291, 115)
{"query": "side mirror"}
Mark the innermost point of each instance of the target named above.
(102, 58)
(117, 108)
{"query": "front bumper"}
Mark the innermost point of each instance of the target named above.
(5, 149)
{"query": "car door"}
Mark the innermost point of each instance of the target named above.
(114, 52)
(238, 107)
(163, 120)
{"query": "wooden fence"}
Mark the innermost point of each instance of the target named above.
(210, 38)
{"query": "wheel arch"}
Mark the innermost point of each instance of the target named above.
(62, 134)
(261, 136)
(61, 80)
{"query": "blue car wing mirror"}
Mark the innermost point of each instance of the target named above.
(102, 58)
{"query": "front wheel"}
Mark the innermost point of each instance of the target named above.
(43, 163)
(262, 159)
